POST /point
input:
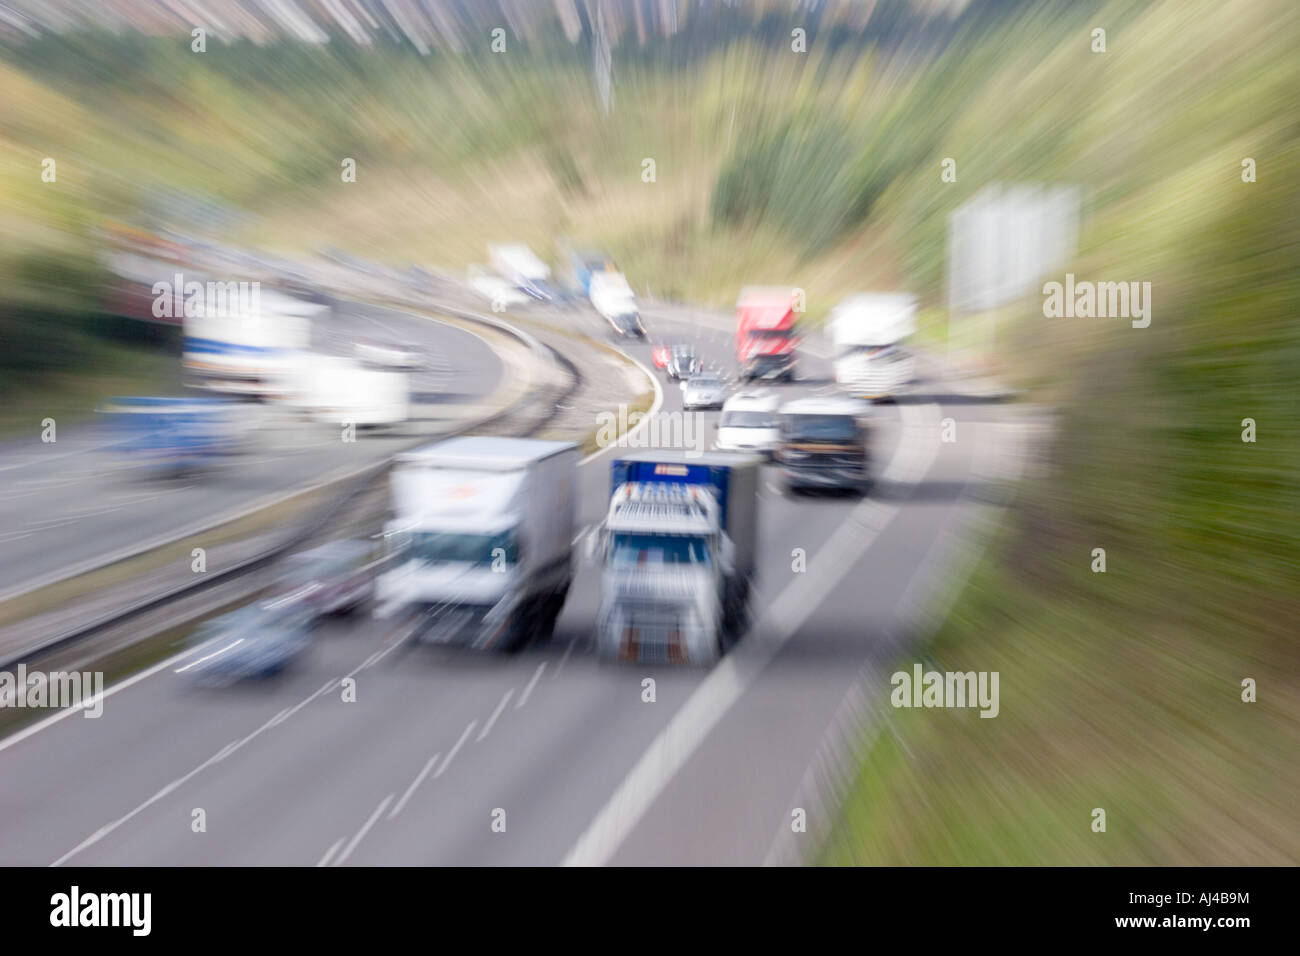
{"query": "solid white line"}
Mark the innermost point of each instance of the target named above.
(523, 698)
(645, 419)
(469, 729)
(324, 861)
(487, 728)
(714, 697)
(225, 752)
(347, 852)
(414, 783)
(108, 692)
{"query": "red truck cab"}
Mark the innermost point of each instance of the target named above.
(766, 339)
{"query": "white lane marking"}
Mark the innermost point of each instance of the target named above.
(325, 860)
(42, 459)
(487, 728)
(469, 729)
(523, 698)
(347, 851)
(726, 683)
(225, 751)
(567, 651)
(645, 419)
(397, 807)
(92, 702)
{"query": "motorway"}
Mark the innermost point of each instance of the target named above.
(439, 742)
(75, 503)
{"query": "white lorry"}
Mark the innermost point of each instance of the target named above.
(678, 554)
(481, 539)
(517, 264)
(248, 348)
(340, 391)
(869, 333)
(612, 297)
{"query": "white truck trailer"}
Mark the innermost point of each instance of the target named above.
(481, 539)
(340, 391)
(249, 348)
(869, 333)
(517, 264)
(678, 549)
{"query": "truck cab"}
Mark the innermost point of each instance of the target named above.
(677, 556)
(766, 337)
(481, 539)
(870, 334)
(824, 444)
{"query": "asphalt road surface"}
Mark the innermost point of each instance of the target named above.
(77, 501)
(558, 745)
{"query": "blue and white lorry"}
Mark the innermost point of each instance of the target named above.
(678, 551)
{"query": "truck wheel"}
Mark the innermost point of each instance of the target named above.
(550, 614)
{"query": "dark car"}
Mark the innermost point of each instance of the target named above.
(683, 364)
(627, 325)
(256, 641)
(778, 367)
(337, 576)
(824, 444)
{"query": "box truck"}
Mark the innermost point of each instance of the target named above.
(481, 539)
(517, 264)
(869, 333)
(340, 391)
(174, 435)
(248, 349)
(766, 341)
(678, 553)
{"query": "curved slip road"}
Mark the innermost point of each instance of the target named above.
(438, 741)
(74, 503)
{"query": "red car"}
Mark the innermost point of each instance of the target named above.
(660, 355)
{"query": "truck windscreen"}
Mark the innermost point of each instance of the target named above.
(814, 428)
(640, 550)
(747, 420)
(437, 547)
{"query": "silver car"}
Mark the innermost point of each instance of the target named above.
(259, 640)
(704, 391)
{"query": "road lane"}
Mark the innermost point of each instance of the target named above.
(305, 788)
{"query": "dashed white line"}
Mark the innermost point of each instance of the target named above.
(523, 698)
(221, 755)
(347, 851)
(324, 861)
(567, 651)
(487, 728)
(469, 729)
(397, 807)
(726, 683)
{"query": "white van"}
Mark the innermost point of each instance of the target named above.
(749, 423)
